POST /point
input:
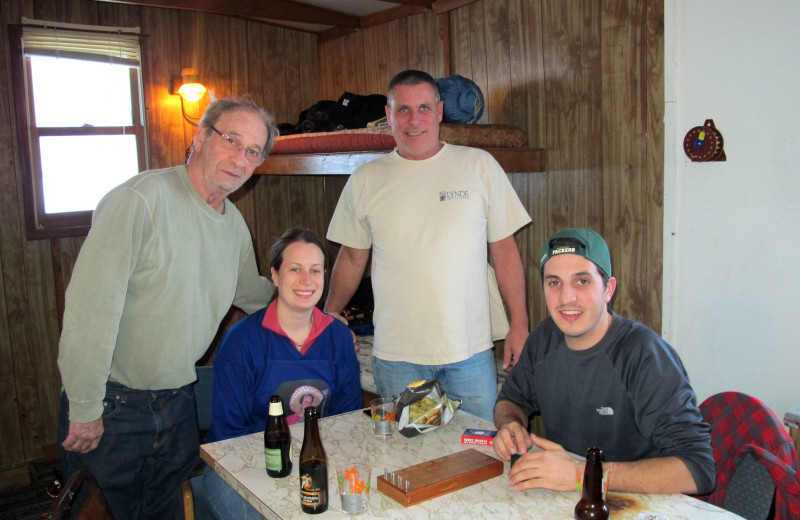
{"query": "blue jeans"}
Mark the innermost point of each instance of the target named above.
(149, 447)
(215, 499)
(473, 380)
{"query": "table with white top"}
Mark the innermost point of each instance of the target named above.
(348, 438)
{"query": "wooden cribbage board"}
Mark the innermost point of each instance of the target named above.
(439, 476)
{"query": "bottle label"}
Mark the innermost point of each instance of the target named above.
(310, 499)
(273, 456)
(313, 486)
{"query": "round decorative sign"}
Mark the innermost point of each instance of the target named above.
(704, 143)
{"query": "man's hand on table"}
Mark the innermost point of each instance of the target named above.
(512, 439)
(551, 467)
(84, 437)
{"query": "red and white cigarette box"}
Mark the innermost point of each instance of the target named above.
(476, 436)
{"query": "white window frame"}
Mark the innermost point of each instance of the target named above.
(91, 43)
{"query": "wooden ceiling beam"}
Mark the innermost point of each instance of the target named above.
(426, 3)
(285, 10)
(388, 15)
(391, 14)
(335, 33)
(443, 6)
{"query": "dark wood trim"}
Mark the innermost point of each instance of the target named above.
(316, 164)
(58, 279)
(335, 33)
(426, 3)
(443, 6)
(23, 117)
(511, 159)
(444, 30)
(390, 15)
(272, 9)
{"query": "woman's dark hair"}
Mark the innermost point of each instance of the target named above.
(289, 237)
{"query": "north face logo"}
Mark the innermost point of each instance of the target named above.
(605, 410)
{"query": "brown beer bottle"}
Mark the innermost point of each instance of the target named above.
(313, 467)
(592, 506)
(277, 440)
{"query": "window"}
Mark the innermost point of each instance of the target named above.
(78, 93)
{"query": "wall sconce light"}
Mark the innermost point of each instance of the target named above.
(189, 88)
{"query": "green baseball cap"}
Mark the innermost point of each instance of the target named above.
(590, 245)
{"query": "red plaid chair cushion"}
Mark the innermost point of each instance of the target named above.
(741, 424)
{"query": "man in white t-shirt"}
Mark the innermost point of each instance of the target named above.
(427, 211)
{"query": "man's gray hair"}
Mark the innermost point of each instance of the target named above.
(222, 106)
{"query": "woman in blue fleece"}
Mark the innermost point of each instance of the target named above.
(290, 348)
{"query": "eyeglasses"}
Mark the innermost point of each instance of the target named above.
(252, 155)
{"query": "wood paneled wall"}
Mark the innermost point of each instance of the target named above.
(584, 78)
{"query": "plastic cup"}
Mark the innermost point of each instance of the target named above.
(354, 484)
(383, 416)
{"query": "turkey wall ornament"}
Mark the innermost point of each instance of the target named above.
(704, 143)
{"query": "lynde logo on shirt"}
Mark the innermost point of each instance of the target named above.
(453, 195)
(605, 410)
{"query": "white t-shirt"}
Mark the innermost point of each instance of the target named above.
(428, 223)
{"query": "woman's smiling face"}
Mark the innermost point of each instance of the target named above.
(301, 278)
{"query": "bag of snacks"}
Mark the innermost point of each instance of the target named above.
(423, 407)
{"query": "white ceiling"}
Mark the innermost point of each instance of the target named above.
(315, 16)
(352, 7)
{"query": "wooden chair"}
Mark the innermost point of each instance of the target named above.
(94, 507)
(188, 499)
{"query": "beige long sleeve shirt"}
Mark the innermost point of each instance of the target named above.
(154, 278)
